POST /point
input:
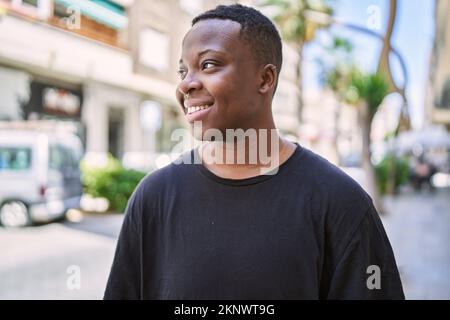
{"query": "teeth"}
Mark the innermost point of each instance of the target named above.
(196, 108)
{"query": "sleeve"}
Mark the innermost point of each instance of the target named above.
(367, 267)
(124, 278)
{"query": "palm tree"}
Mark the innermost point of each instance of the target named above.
(367, 91)
(384, 69)
(297, 29)
(404, 122)
(335, 65)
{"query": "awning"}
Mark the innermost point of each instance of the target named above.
(100, 10)
(430, 137)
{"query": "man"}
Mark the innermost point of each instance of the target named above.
(295, 227)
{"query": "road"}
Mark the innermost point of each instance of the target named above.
(418, 226)
(58, 260)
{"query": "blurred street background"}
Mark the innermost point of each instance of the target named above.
(87, 109)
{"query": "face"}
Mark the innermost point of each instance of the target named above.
(218, 70)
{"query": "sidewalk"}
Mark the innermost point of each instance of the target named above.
(36, 262)
(418, 226)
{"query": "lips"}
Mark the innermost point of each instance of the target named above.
(193, 109)
(196, 103)
(197, 112)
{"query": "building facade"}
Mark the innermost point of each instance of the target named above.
(438, 98)
(83, 62)
(108, 68)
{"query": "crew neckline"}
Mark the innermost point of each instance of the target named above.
(247, 181)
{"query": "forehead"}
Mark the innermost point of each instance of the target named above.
(215, 34)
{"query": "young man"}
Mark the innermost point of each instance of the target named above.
(297, 228)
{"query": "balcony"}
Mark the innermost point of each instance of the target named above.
(100, 20)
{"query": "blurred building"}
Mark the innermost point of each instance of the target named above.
(438, 99)
(100, 65)
(108, 68)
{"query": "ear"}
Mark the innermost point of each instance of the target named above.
(269, 77)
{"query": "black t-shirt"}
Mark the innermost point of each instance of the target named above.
(307, 232)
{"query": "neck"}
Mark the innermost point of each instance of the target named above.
(246, 153)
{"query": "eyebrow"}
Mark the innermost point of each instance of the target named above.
(202, 53)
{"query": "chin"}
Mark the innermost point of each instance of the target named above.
(208, 132)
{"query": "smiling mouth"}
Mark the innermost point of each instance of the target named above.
(193, 109)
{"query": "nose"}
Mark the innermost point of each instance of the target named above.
(189, 84)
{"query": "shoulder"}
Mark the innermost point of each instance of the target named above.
(155, 189)
(341, 203)
(328, 181)
(166, 179)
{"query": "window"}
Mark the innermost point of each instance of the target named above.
(445, 97)
(60, 10)
(56, 158)
(31, 2)
(116, 125)
(15, 158)
(71, 159)
(62, 158)
(154, 51)
(171, 121)
(34, 8)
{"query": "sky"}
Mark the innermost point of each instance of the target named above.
(412, 37)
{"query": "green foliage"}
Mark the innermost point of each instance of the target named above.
(337, 79)
(290, 16)
(342, 44)
(348, 82)
(337, 65)
(371, 88)
(112, 182)
(383, 171)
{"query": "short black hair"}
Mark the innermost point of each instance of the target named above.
(260, 33)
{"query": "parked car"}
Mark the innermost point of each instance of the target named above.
(39, 176)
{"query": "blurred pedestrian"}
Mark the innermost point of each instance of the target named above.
(422, 173)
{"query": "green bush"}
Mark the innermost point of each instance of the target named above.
(112, 182)
(382, 172)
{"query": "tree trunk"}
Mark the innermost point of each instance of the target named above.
(384, 61)
(335, 141)
(384, 68)
(299, 81)
(403, 125)
(365, 122)
(391, 183)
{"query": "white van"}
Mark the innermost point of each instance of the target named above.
(39, 176)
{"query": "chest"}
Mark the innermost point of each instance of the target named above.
(225, 247)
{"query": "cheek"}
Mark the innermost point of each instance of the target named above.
(234, 97)
(223, 91)
(179, 96)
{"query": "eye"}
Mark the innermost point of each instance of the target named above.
(207, 65)
(182, 73)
